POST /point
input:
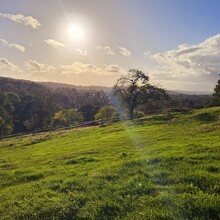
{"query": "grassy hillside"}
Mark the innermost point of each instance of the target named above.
(160, 167)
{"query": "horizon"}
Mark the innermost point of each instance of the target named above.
(191, 92)
(94, 43)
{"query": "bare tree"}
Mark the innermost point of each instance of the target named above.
(134, 89)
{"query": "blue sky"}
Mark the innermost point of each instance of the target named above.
(94, 42)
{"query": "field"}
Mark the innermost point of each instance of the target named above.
(157, 167)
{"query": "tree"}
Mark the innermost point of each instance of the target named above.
(106, 112)
(216, 94)
(66, 117)
(6, 126)
(89, 111)
(134, 89)
(72, 116)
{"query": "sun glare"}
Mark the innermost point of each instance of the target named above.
(76, 32)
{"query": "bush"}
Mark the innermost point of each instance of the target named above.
(106, 112)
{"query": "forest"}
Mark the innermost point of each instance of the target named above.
(27, 106)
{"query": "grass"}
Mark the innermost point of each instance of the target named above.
(158, 167)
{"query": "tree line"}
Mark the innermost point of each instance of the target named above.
(27, 106)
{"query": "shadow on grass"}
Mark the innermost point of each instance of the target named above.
(81, 160)
(206, 117)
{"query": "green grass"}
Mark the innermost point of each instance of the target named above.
(158, 167)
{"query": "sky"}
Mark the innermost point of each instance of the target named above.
(95, 42)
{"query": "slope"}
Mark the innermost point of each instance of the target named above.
(158, 167)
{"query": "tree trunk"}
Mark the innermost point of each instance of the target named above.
(131, 113)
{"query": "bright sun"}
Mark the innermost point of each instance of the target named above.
(76, 32)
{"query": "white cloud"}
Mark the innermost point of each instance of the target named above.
(53, 43)
(82, 52)
(125, 52)
(107, 50)
(113, 68)
(188, 60)
(7, 65)
(34, 66)
(88, 74)
(76, 73)
(16, 46)
(148, 54)
(78, 67)
(75, 68)
(25, 20)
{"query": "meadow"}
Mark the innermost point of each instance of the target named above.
(157, 167)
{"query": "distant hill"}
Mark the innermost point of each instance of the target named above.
(22, 87)
(53, 85)
(106, 89)
(6, 84)
(173, 92)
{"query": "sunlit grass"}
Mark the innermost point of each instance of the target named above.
(158, 167)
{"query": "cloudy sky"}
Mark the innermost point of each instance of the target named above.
(94, 42)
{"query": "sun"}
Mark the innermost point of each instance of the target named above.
(76, 32)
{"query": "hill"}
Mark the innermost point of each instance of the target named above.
(21, 87)
(189, 92)
(53, 85)
(158, 167)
